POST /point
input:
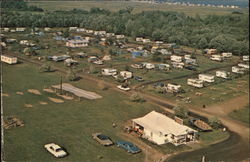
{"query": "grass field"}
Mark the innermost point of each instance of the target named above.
(241, 114)
(138, 7)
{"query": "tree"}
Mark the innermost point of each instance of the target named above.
(181, 112)
(203, 43)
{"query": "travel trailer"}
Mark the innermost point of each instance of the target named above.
(206, 78)
(195, 83)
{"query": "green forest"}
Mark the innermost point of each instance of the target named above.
(227, 33)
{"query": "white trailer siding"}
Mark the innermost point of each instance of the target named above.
(195, 83)
(245, 58)
(126, 74)
(176, 58)
(8, 59)
(109, 72)
(238, 70)
(216, 58)
(246, 66)
(206, 78)
(173, 88)
(222, 74)
(226, 54)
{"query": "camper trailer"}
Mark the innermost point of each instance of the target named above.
(216, 58)
(226, 54)
(47, 29)
(222, 74)
(163, 66)
(146, 40)
(126, 74)
(77, 43)
(195, 83)
(72, 28)
(206, 78)
(211, 51)
(20, 29)
(137, 66)
(173, 88)
(178, 65)
(8, 59)
(245, 66)
(148, 66)
(109, 71)
(175, 58)
(187, 57)
(245, 58)
(238, 70)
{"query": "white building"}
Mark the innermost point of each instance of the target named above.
(238, 70)
(109, 71)
(226, 54)
(245, 58)
(176, 58)
(110, 34)
(146, 40)
(195, 83)
(6, 29)
(222, 74)
(245, 66)
(126, 74)
(20, 29)
(8, 59)
(173, 88)
(160, 129)
(77, 43)
(72, 28)
(206, 78)
(120, 36)
(216, 57)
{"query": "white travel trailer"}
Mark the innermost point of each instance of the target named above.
(20, 29)
(120, 36)
(47, 29)
(245, 58)
(238, 70)
(146, 40)
(187, 57)
(80, 30)
(206, 78)
(109, 71)
(178, 65)
(149, 66)
(90, 31)
(8, 59)
(72, 28)
(137, 66)
(211, 51)
(6, 29)
(216, 58)
(222, 74)
(176, 58)
(173, 88)
(77, 43)
(164, 66)
(126, 74)
(138, 39)
(245, 66)
(195, 83)
(24, 42)
(226, 54)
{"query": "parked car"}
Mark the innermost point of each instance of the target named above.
(55, 150)
(123, 88)
(139, 79)
(128, 146)
(102, 139)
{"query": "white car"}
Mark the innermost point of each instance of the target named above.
(123, 88)
(55, 150)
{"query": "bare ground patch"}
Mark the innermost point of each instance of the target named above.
(34, 91)
(48, 90)
(66, 97)
(43, 103)
(5, 95)
(28, 105)
(56, 100)
(19, 93)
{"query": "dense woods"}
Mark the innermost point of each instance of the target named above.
(226, 33)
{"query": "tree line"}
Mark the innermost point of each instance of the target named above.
(227, 33)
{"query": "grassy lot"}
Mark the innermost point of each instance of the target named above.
(207, 138)
(69, 124)
(241, 114)
(138, 7)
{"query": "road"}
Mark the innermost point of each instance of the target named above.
(233, 149)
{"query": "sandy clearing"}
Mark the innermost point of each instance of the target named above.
(43, 103)
(34, 91)
(28, 105)
(48, 90)
(56, 100)
(5, 95)
(66, 97)
(19, 93)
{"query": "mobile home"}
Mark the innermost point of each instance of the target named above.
(222, 74)
(20, 29)
(238, 70)
(226, 54)
(245, 58)
(211, 51)
(178, 65)
(195, 83)
(206, 78)
(8, 59)
(173, 88)
(216, 58)
(77, 43)
(245, 66)
(109, 71)
(176, 58)
(126, 74)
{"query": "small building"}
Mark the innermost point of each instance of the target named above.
(138, 39)
(178, 65)
(176, 58)
(109, 71)
(72, 28)
(216, 58)
(238, 70)
(206, 78)
(195, 83)
(8, 59)
(146, 40)
(245, 66)
(160, 129)
(164, 66)
(77, 43)
(173, 88)
(120, 36)
(222, 74)
(245, 58)
(126, 74)
(20, 29)
(226, 54)
(211, 51)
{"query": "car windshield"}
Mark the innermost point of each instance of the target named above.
(102, 137)
(59, 149)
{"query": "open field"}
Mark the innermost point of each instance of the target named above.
(241, 114)
(138, 7)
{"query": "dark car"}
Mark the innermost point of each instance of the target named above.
(102, 139)
(139, 79)
(129, 147)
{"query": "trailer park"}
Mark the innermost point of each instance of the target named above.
(182, 75)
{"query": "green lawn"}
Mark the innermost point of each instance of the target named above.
(69, 124)
(207, 138)
(241, 114)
